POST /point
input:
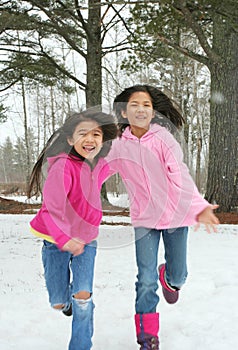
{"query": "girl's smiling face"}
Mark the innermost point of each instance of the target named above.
(87, 139)
(139, 112)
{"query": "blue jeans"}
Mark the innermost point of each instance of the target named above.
(147, 245)
(66, 275)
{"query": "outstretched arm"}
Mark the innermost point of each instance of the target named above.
(208, 218)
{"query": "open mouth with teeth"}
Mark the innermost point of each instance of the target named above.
(89, 149)
(141, 117)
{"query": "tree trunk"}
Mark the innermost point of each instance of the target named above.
(223, 145)
(28, 156)
(94, 64)
(198, 161)
(52, 106)
(38, 108)
(94, 55)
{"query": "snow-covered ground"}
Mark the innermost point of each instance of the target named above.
(205, 317)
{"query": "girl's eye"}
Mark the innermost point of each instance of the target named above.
(145, 105)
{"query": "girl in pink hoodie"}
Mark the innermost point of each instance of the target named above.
(71, 213)
(164, 200)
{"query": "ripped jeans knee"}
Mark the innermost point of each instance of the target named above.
(83, 304)
(82, 299)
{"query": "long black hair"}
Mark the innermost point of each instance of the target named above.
(58, 142)
(165, 112)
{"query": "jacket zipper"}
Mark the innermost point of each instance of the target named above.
(147, 186)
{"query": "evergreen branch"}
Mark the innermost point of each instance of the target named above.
(10, 85)
(62, 70)
(193, 24)
(116, 48)
(184, 51)
(61, 30)
(21, 52)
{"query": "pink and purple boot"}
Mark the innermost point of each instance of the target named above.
(147, 328)
(171, 294)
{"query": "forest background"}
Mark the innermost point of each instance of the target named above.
(60, 56)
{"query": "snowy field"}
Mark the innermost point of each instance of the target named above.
(205, 317)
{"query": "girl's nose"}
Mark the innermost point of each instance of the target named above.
(89, 137)
(140, 108)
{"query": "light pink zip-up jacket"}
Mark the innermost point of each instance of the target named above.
(71, 205)
(161, 191)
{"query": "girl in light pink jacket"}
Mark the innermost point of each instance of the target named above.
(71, 213)
(164, 200)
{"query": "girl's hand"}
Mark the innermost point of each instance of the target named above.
(74, 246)
(208, 218)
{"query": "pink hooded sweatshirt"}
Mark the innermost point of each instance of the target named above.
(162, 194)
(71, 205)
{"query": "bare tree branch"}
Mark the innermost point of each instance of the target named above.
(81, 19)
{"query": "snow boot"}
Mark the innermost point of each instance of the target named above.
(147, 328)
(171, 294)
